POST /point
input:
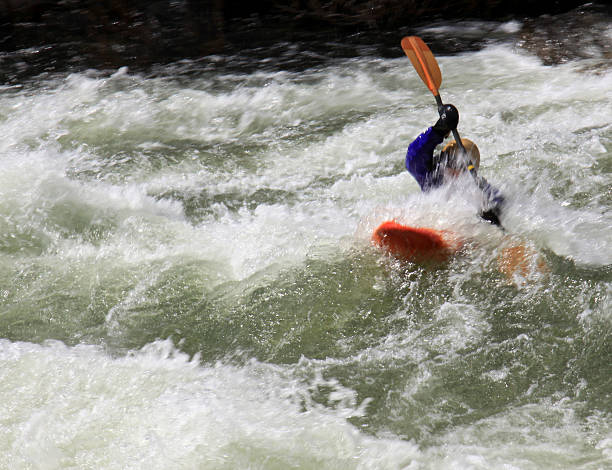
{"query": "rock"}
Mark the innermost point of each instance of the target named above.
(579, 34)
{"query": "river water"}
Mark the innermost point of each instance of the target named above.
(187, 279)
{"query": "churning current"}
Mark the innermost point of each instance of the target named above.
(187, 278)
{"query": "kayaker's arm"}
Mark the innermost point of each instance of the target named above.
(419, 158)
(492, 204)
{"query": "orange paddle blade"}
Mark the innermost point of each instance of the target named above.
(521, 260)
(423, 61)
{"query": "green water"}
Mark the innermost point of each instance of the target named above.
(187, 281)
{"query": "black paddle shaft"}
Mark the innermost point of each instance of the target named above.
(455, 131)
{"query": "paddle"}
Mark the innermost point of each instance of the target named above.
(426, 66)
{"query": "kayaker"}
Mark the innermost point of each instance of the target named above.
(433, 171)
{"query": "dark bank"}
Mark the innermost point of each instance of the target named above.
(46, 37)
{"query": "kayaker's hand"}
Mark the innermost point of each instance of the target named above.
(491, 216)
(449, 118)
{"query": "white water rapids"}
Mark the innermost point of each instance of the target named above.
(178, 251)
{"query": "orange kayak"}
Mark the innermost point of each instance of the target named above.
(416, 243)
